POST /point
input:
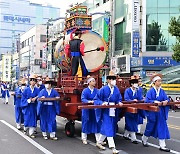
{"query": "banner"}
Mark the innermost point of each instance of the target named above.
(106, 29)
(44, 59)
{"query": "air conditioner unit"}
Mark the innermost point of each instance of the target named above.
(121, 64)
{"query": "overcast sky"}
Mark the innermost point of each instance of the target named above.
(63, 4)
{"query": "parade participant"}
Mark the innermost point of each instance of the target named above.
(89, 124)
(17, 102)
(141, 113)
(40, 84)
(29, 104)
(75, 49)
(131, 119)
(157, 121)
(48, 110)
(108, 95)
(5, 92)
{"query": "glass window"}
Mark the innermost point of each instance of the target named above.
(163, 9)
(174, 3)
(163, 20)
(151, 18)
(174, 10)
(119, 9)
(163, 3)
(42, 38)
(151, 10)
(119, 36)
(151, 3)
(41, 53)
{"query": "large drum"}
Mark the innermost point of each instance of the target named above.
(93, 60)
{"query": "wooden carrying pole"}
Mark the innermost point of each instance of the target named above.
(80, 104)
(135, 105)
(49, 99)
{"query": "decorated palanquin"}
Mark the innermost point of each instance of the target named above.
(78, 19)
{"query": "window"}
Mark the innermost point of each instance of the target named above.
(42, 38)
(104, 1)
(41, 54)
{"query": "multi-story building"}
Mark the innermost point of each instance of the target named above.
(141, 43)
(6, 67)
(17, 16)
(33, 44)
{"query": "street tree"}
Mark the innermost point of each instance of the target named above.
(174, 29)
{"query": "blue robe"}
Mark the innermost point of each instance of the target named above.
(48, 113)
(157, 121)
(18, 109)
(89, 124)
(141, 113)
(41, 87)
(131, 119)
(29, 109)
(5, 91)
(109, 123)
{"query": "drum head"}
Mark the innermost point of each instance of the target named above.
(93, 60)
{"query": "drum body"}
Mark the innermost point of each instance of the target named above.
(93, 60)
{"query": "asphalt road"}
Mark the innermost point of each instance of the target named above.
(13, 141)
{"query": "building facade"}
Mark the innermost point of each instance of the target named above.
(140, 38)
(18, 16)
(31, 54)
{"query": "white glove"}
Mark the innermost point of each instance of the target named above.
(29, 101)
(105, 103)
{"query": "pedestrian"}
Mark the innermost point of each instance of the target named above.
(89, 123)
(47, 110)
(157, 121)
(5, 92)
(29, 104)
(75, 50)
(19, 116)
(131, 119)
(108, 95)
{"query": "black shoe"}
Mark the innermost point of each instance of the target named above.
(140, 134)
(135, 142)
(164, 149)
(144, 144)
(126, 138)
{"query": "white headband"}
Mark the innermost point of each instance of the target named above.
(156, 78)
(90, 79)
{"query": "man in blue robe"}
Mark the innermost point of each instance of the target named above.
(141, 113)
(131, 119)
(17, 102)
(89, 124)
(40, 84)
(157, 121)
(29, 105)
(5, 92)
(48, 110)
(108, 95)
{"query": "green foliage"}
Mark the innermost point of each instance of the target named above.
(174, 29)
(155, 39)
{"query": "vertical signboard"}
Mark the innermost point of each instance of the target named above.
(44, 60)
(135, 37)
(135, 44)
(106, 29)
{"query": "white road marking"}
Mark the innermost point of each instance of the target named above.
(44, 150)
(174, 117)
